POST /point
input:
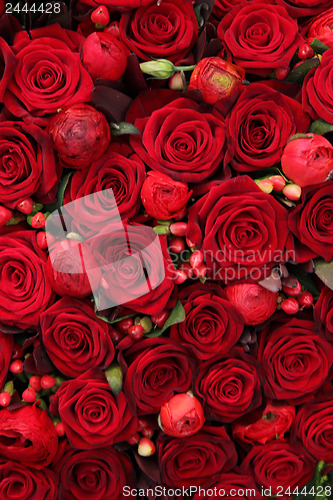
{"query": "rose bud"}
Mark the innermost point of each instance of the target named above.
(80, 135)
(182, 416)
(255, 303)
(72, 270)
(104, 56)
(162, 197)
(292, 192)
(308, 159)
(216, 78)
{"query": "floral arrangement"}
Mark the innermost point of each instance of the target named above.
(166, 249)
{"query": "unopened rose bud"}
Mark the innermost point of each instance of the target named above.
(182, 416)
(255, 303)
(29, 395)
(265, 185)
(25, 206)
(305, 300)
(278, 182)
(5, 215)
(308, 159)
(292, 192)
(146, 447)
(290, 306)
(47, 382)
(176, 245)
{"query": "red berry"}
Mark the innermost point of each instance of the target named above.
(116, 335)
(160, 319)
(292, 192)
(5, 215)
(281, 73)
(187, 269)
(294, 291)
(305, 300)
(147, 432)
(142, 424)
(178, 228)
(290, 306)
(38, 221)
(60, 429)
(42, 240)
(5, 398)
(47, 382)
(113, 29)
(25, 206)
(29, 395)
(17, 351)
(278, 182)
(35, 382)
(146, 447)
(196, 258)
(100, 16)
(176, 245)
(305, 51)
(124, 324)
(136, 332)
(135, 439)
(200, 271)
(16, 366)
(180, 276)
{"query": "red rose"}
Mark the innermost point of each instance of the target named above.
(296, 361)
(300, 8)
(92, 416)
(6, 342)
(311, 222)
(111, 184)
(279, 464)
(233, 484)
(193, 460)
(241, 230)
(100, 474)
(156, 369)
(25, 291)
(229, 385)
(222, 7)
(260, 37)
(321, 28)
(22, 482)
(28, 168)
(212, 324)
(28, 436)
(259, 127)
(323, 314)
(181, 139)
(317, 90)
(167, 30)
(314, 427)
(75, 338)
(48, 76)
(7, 66)
(104, 56)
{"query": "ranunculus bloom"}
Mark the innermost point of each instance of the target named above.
(27, 435)
(259, 126)
(215, 78)
(27, 164)
(279, 464)
(241, 230)
(260, 37)
(203, 455)
(255, 303)
(182, 416)
(276, 420)
(323, 314)
(317, 89)
(212, 324)
(167, 30)
(296, 361)
(104, 56)
(162, 197)
(312, 223)
(155, 370)
(80, 134)
(308, 160)
(75, 338)
(229, 385)
(91, 414)
(321, 28)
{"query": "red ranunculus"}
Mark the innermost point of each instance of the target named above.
(104, 56)
(182, 416)
(255, 303)
(321, 28)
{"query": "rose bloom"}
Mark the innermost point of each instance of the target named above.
(212, 324)
(193, 460)
(260, 37)
(25, 291)
(155, 369)
(48, 75)
(182, 416)
(259, 126)
(6, 342)
(27, 165)
(222, 7)
(75, 338)
(229, 385)
(276, 420)
(91, 414)
(317, 89)
(165, 31)
(7, 65)
(22, 482)
(240, 230)
(314, 427)
(300, 8)
(321, 28)
(323, 314)
(296, 361)
(279, 464)
(100, 474)
(27, 435)
(311, 222)
(181, 139)
(230, 483)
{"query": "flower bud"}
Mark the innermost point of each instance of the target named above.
(176, 245)
(80, 135)
(47, 382)
(146, 447)
(290, 306)
(29, 395)
(160, 68)
(5, 215)
(182, 416)
(255, 303)
(292, 192)
(216, 78)
(104, 56)
(25, 206)
(100, 16)
(305, 300)
(308, 159)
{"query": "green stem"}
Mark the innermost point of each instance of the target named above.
(185, 68)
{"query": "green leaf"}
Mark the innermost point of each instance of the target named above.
(123, 128)
(298, 74)
(318, 46)
(177, 315)
(321, 127)
(60, 195)
(324, 271)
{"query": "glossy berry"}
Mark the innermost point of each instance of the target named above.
(136, 332)
(35, 383)
(5, 398)
(292, 192)
(290, 306)
(187, 269)
(196, 259)
(5, 215)
(200, 271)
(293, 291)
(112, 29)
(60, 429)
(41, 240)
(16, 366)
(176, 245)
(178, 228)
(146, 447)
(305, 51)
(266, 186)
(147, 432)
(25, 206)
(29, 395)
(305, 300)
(124, 324)
(100, 16)
(160, 319)
(180, 277)
(134, 439)
(278, 182)
(281, 73)
(47, 382)
(38, 221)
